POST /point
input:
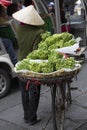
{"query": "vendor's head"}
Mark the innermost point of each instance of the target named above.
(29, 16)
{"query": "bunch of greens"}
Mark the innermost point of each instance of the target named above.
(56, 41)
(23, 65)
(45, 35)
(46, 51)
(38, 54)
(65, 63)
(43, 67)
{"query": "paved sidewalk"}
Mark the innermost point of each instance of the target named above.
(75, 118)
(76, 115)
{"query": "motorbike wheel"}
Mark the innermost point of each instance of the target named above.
(4, 82)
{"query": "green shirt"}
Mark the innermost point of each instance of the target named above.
(28, 38)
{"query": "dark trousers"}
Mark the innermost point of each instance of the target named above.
(10, 50)
(30, 100)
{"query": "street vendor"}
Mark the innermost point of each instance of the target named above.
(28, 36)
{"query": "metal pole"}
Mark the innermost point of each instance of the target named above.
(57, 14)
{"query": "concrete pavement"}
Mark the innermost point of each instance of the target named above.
(12, 118)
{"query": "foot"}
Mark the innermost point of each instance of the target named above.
(26, 120)
(34, 122)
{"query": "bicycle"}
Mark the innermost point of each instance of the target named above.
(61, 99)
(60, 92)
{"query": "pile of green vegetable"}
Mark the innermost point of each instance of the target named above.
(46, 51)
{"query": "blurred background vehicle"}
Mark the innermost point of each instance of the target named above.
(6, 71)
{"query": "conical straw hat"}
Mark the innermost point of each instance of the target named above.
(28, 15)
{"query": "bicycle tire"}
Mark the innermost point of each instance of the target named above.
(58, 106)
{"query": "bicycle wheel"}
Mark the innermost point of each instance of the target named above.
(58, 106)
